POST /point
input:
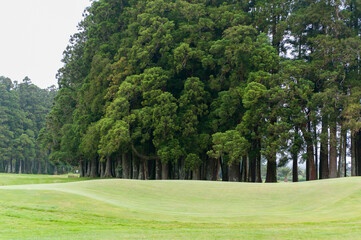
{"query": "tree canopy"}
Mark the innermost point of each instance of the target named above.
(210, 89)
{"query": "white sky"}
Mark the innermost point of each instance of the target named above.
(33, 36)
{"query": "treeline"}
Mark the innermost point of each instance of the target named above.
(23, 108)
(174, 89)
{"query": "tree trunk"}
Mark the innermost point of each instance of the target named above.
(118, 168)
(324, 150)
(253, 161)
(13, 169)
(31, 170)
(333, 151)
(315, 150)
(182, 173)
(244, 173)
(81, 168)
(176, 171)
(20, 167)
(165, 170)
(196, 174)
(342, 158)
(141, 170)
(46, 167)
(55, 170)
(258, 166)
(158, 169)
(93, 168)
(146, 171)
(125, 166)
(358, 153)
(101, 166)
(88, 168)
(234, 172)
(10, 166)
(345, 154)
(310, 163)
(294, 166)
(39, 167)
(224, 168)
(135, 167)
(108, 165)
(271, 176)
(211, 169)
(353, 154)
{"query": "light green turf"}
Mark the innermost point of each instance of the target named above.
(128, 209)
(16, 179)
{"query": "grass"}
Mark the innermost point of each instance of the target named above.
(129, 209)
(15, 179)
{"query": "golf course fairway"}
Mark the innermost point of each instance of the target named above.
(132, 209)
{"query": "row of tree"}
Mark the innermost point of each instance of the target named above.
(203, 89)
(23, 108)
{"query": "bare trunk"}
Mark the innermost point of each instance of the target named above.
(196, 174)
(310, 163)
(31, 170)
(141, 170)
(357, 151)
(271, 176)
(224, 168)
(182, 173)
(81, 168)
(353, 155)
(315, 150)
(333, 151)
(211, 169)
(135, 166)
(55, 170)
(234, 172)
(165, 170)
(244, 173)
(88, 168)
(108, 171)
(125, 166)
(295, 167)
(46, 167)
(258, 167)
(253, 161)
(20, 167)
(39, 167)
(342, 158)
(158, 169)
(101, 166)
(118, 168)
(10, 166)
(93, 168)
(324, 150)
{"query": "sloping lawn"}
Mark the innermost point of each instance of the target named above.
(130, 209)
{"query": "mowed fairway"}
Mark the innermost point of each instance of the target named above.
(130, 209)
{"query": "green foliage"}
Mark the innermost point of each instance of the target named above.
(183, 81)
(23, 108)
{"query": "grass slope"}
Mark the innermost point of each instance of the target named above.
(16, 179)
(128, 209)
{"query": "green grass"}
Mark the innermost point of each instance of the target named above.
(15, 179)
(129, 209)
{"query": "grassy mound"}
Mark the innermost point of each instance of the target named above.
(129, 209)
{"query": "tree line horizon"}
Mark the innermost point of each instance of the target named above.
(23, 109)
(180, 89)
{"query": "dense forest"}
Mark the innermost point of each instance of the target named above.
(210, 89)
(23, 108)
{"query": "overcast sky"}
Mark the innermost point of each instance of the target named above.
(33, 36)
